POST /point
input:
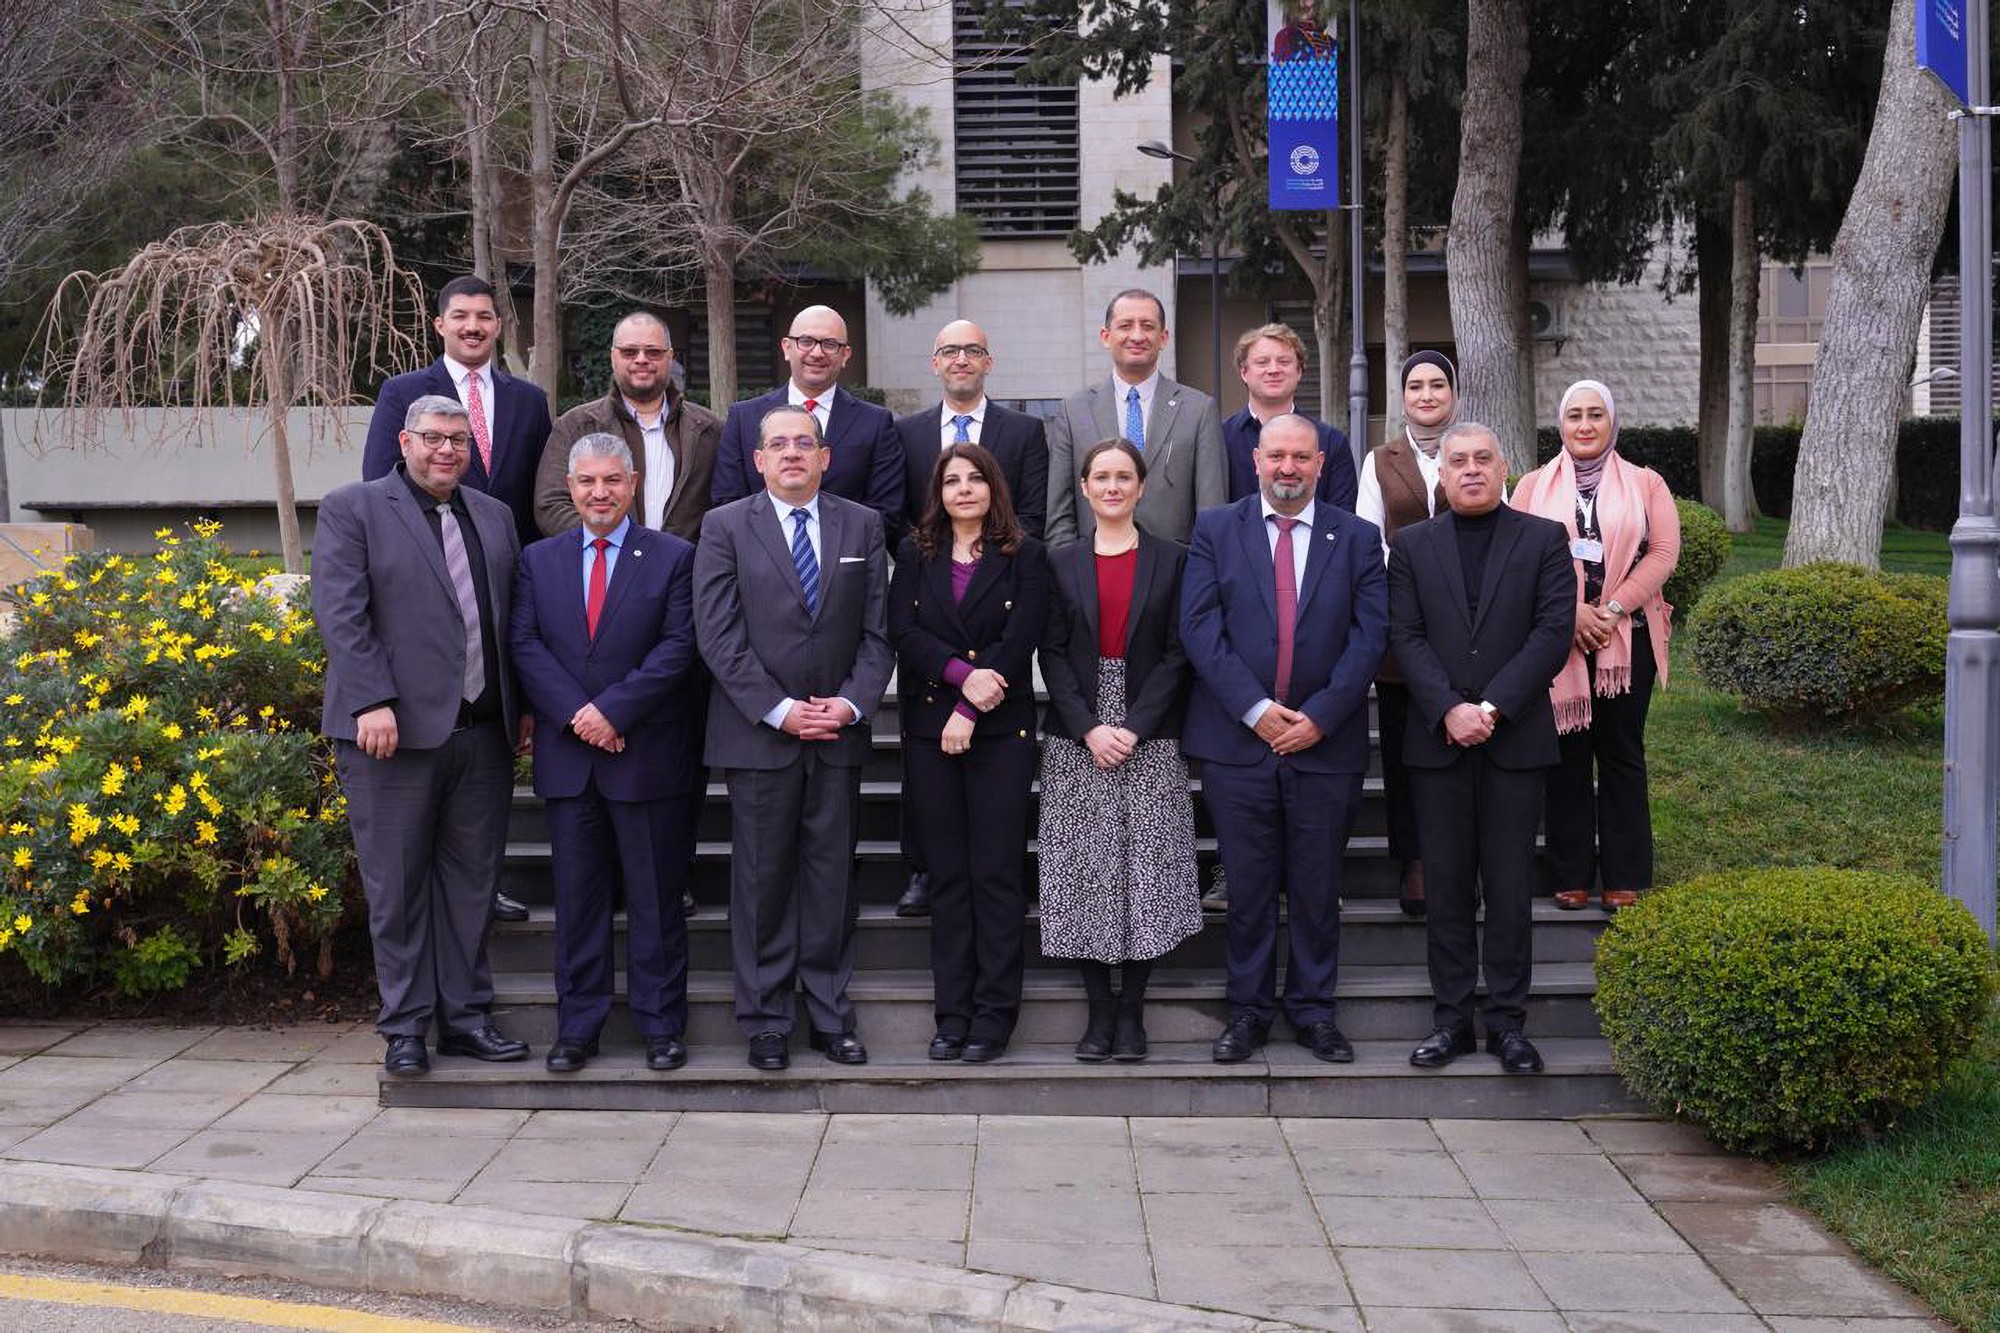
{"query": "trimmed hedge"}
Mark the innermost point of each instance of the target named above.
(1823, 642)
(1783, 1009)
(1705, 546)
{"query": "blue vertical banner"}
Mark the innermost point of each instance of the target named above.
(1941, 45)
(1303, 114)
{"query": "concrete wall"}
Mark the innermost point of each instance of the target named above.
(163, 466)
(1645, 347)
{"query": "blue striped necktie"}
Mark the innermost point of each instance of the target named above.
(1135, 423)
(804, 561)
(961, 429)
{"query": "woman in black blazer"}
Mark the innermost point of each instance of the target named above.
(1117, 847)
(966, 608)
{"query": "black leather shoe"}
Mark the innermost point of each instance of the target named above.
(1517, 1054)
(687, 902)
(484, 1044)
(1444, 1045)
(947, 1046)
(983, 1050)
(1239, 1040)
(769, 1050)
(843, 1048)
(1094, 1046)
(664, 1053)
(569, 1055)
(406, 1056)
(1217, 897)
(916, 899)
(506, 909)
(1324, 1040)
(1128, 1042)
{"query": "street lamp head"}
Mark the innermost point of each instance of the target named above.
(1166, 153)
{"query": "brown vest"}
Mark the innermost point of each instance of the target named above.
(1402, 504)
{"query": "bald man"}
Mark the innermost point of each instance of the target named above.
(866, 456)
(961, 358)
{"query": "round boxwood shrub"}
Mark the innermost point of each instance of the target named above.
(1823, 642)
(1704, 546)
(1781, 1009)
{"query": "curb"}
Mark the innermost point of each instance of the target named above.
(568, 1266)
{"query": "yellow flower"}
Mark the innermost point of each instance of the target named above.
(23, 922)
(14, 699)
(82, 824)
(316, 892)
(125, 824)
(177, 799)
(80, 905)
(23, 859)
(172, 731)
(204, 832)
(85, 639)
(99, 858)
(114, 780)
(121, 861)
(206, 527)
(161, 534)
(135, 707)
(39, 600)
(19, 828)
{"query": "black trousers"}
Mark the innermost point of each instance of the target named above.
(1478, 823)
(968, 814)
(1612, 823)
(1392, 718)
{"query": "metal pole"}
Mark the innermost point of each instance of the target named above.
(1357, 271)
(1215, 301)
(1972, 653)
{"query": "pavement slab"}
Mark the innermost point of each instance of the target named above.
(1585, 1226)
(892, 1166)
(292, 1045)
(158, 1110)
(1125, 1269)
(1820, 1285)
(1442, 1279)
(132, 1041)
(1409, 1319)
(1402, 1174)
(1077, 1217)
(1252, 1281)
(121, 1146)
(283, 1113)
(594, 1199)
(1230, 1219)
(1634, 1283)
(1412, 1223)
(19, 1038)
(1531, 1175)
(211, 1077)
(883, 1214)
(1694, 1179)
(1322, 1136)
(264, 1157)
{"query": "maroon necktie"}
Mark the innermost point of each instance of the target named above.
(593, 601)
(1287, 588)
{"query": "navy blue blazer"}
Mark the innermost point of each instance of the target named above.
(867, 462)
(521, 425)
(997, 625)
(638, 670)
(1017, 441)
(1338, 484)
(1229, 618)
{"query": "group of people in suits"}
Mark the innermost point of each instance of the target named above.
(642, 591)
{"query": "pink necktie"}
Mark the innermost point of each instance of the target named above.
(593, 601)
(475, 408)
(1287, 588)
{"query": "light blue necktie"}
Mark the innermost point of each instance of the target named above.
(1135, 424)
(960, 434)
(804, 561)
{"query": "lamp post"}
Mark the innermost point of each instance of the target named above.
(1155, 148)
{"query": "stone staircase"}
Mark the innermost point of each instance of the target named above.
(1384, 999)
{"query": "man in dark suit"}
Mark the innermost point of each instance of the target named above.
(961, 359)
(1175, 426)
(603, 639)
(413, 577)
(672, 440)
(791, 613)
(509, 419)
(1271, 360)
(1482, 606)
(866, 454)
(1284, 614)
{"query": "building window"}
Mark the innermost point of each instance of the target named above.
(1015, 143)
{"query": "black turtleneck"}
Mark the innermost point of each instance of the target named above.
(1475, 539)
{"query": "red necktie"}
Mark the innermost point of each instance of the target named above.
(593, 601)
(1287, 588)
(475, 408)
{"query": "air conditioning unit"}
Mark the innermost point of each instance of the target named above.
(1546, 322)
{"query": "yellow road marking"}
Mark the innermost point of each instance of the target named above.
(208, 1305)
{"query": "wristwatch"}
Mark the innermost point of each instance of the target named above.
(1614, 608)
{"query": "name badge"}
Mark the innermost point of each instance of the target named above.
(1587, 549)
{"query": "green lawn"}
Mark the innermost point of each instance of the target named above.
(1922, 1203)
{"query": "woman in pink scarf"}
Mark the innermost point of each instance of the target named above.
(1625, 537)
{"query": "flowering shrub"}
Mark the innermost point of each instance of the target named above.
(165, 802)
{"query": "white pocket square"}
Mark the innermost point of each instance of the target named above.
(852, 559)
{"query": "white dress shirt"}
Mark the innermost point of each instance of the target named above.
(659, 464)
(459, 374)
(1301, 539)
(776, 717)
(948, 433)
(1148, 389)
(822, 411)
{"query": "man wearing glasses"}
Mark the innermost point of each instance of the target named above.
(866, 463)
(791, 592)
(413, 578)
(961, 358)
(673, 441)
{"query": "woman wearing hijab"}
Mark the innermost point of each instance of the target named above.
(1399, 486)
(1625, 537)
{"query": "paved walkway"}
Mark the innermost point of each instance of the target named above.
(1344, 1224)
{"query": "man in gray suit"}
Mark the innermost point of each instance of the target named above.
(791, 590)
(1174, 426)
(413, 576)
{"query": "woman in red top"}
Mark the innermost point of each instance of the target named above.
(1117, 830)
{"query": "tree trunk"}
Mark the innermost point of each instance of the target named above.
(1479, 266)
(1330, 329)
(1739, 505)
(1395, 252)
(719, 277)
(278, 386)
(1524, 341)
(1713, 276)
(1881, 271)
(545, 357)
(285, 132)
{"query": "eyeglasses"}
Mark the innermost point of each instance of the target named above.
(805, 342)
(953, 351)
(643, 353)
(436, 441)
(786, 444)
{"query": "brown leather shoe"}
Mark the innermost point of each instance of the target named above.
(1573, 900)
(1616, 899)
